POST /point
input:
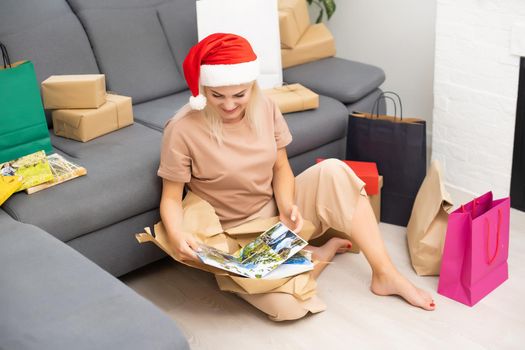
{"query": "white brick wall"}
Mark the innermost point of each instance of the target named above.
(475, 92)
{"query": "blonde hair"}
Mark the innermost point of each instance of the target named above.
(253, 110)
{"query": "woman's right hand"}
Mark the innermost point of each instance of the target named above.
(184, 247)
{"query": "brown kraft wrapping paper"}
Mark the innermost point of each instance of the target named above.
(293, 98)
(87, 124)
(375, 200)
(74, 91)
(200, 220)
(294, 20)
(428, 223)
(316, 43)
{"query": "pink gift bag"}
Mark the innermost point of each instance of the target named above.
(476, 249)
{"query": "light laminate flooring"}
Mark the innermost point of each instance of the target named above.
(355, 318)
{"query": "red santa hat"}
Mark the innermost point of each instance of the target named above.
(220, 59)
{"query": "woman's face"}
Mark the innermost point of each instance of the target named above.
(230, 101)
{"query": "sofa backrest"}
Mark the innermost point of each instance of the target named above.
(132, 47)
(49, 34)
(179, 20)
(139, 44)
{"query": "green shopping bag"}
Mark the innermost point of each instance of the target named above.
(23, 126)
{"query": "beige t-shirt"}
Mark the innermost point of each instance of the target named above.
(235, 177)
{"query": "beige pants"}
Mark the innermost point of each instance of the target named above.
(326, 194)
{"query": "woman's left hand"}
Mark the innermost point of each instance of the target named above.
(293, 219)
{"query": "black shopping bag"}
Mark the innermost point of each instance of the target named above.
(398, 146)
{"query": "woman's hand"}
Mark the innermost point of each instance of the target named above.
(292, 218)
(184, 247)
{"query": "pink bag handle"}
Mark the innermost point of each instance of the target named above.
(474, 203)
(490, 259)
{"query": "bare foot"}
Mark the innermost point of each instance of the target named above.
(395, 284)
(327, 251)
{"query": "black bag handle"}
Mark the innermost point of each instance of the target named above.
(5, 56)
(376, 104)
(384, 96)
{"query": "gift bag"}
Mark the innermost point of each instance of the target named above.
(23, 126)
(476, 249)
(428, 223)
(398, 146)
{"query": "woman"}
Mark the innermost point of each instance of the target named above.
(228, 145)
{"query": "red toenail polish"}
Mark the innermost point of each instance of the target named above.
(432, 304)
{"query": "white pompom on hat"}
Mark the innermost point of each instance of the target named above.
(220, 59)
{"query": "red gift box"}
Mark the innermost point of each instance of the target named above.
(366, 171)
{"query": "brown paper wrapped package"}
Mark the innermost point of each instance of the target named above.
(316, 43)
(293, 98)
(74, 91)
(293, 21)
(87, 124)
(295, 295)
(428, 223)
(375, 200)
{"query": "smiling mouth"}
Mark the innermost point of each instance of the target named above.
(231, 110)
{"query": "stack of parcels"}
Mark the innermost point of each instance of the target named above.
(300, 41)
(293, 98)
(368, 173)
(294, 20)
(82, 110)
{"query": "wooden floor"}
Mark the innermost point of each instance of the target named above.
(355, 318)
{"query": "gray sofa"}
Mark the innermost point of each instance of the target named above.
(52, 297)
(140, 46)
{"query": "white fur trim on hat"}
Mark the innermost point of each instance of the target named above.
(229, 74)
(198, 102)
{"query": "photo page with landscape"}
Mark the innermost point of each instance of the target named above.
(265, 254)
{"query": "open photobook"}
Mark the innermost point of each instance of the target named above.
(32, 169)
(274, 254)
(62, 169)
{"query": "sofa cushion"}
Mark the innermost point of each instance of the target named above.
(52, 297)
(48, 34)
(121, 183)
(314, 128)
(156, 113)
(78, 5)
(179, 20)
(310, 129)
(132, 51)
(367, 103)
(345, 80)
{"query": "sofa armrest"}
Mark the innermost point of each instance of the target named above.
(52, 297)
(342, 79)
